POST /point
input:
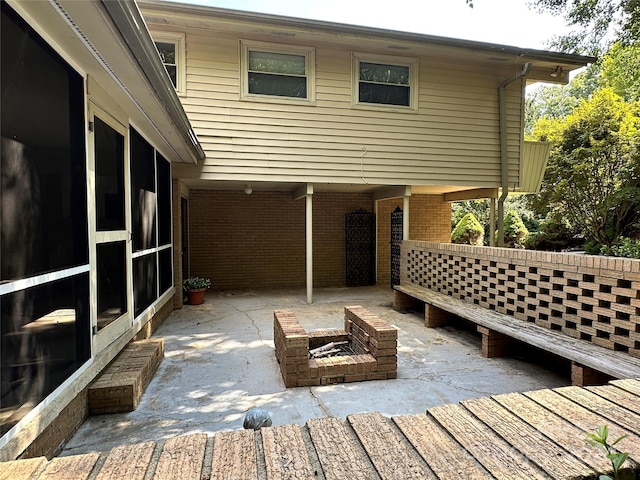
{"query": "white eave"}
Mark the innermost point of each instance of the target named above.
(109, 41)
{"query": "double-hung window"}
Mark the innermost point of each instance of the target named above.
(171, 48)
(277, 72)
(385, 81)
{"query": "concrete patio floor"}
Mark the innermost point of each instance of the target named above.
(220, 362)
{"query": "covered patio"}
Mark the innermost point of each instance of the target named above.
(220, 362)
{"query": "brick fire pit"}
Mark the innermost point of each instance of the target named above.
(374, 342)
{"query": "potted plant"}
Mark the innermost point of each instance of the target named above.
(195, 288)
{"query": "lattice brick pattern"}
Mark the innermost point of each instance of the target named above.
(591, 298)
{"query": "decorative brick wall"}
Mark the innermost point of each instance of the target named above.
(593, 298)
(430, 220)
(373, 340)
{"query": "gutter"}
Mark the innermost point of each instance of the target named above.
(504, 157)
(127, 18)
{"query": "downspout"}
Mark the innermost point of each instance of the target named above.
(504, 157)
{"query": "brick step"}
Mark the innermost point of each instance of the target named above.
(120, 386)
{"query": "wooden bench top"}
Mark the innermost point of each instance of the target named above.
(616, 364)
(530, 435)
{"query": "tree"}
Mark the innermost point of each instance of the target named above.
(593, 174)
(599, 22)
(621, 70)
(515, 233)
(468, 231)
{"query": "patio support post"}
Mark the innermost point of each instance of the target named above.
(309, 236)
(492, 222)
(306, 192)
(405, 217)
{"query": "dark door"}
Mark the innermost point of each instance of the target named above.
(360, 233)
(396, 242)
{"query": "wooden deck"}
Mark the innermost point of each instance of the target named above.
(532, 435)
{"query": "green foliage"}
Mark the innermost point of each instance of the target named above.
(468, 231)
(597, 22)
(195, 283)
(593, 174)
(621, 70)
(554, 234)
(617, 459)
(515, 231)
(626, 247)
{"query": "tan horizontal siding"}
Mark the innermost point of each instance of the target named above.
(451, 139)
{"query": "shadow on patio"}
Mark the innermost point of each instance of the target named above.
(220, 362)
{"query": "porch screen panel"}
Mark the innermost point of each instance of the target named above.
(45, 328)
(165, 260)
(44, 197)
(143, 193)
(145, 281)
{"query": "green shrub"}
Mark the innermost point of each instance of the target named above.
(468, 231)
(626, 247)
(515, 232)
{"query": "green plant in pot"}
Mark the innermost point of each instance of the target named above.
(195, 288)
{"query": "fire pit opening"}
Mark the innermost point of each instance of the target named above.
(365, 350)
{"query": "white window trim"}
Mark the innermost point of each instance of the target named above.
(310, 69)
(103, 338)
(412, 63)
(178, 39)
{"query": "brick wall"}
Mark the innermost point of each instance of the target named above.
(588, 297)
(258, 240)
(429, 220)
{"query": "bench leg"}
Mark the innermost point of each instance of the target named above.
(494, 344)
(582, 376)
(434, 316)
(402, 301)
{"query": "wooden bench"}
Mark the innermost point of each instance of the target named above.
(590, 364)
(120, 386)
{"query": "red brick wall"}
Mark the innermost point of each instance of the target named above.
(329, 211)
(258, 240)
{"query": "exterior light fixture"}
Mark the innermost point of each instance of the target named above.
(557, 72)
(248, 189)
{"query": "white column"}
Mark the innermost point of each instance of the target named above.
(405, 217)
(492, 222)
(309, 236)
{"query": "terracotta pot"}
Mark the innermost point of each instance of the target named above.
(196, 297)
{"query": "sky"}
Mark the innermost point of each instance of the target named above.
(507, 22)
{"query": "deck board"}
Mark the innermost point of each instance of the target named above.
(127, 461)
(182, 457)
(531, 435)
(338, 450)
(234, 456)
(494, 453)
(387, 448)
(530, 442)
(285, 453)
(77, 467)
(21, 469)
(564, 433)
(446, 457)
(583, 418)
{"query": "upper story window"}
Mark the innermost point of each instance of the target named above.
(277, 72)
(171, 47)
(385, 81)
